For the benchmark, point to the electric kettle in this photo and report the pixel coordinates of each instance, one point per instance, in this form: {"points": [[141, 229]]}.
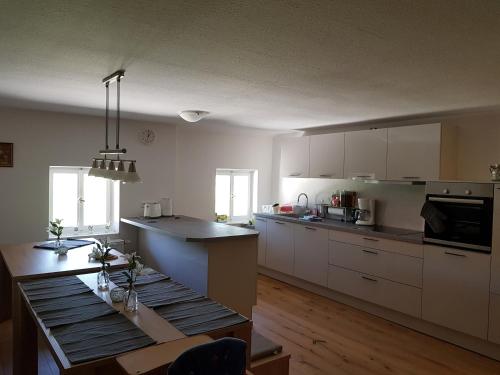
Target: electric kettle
{"points": [[495, 172]]}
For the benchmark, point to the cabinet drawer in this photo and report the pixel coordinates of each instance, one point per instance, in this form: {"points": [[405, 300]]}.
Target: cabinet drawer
{"points": [[400, 247], [494, 327], [395, 296], [395, 267]]}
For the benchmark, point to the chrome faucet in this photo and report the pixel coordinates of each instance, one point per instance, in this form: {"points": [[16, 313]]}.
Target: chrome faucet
{"points": [[305, 195]]}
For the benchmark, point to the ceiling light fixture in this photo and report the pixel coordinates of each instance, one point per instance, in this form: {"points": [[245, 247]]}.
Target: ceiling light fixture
{"points": [[99, 167], [193, 116]]}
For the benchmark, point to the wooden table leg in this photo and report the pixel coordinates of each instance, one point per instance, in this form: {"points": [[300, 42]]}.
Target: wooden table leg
{"points": [[24, 332], [5, 292], [245, 334]]}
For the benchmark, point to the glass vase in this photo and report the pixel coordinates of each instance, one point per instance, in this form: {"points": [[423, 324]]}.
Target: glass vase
{"points": [[103, 279], [130, 299]]}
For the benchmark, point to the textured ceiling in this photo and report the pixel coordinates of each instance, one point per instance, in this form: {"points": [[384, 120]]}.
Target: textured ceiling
{"points": [[260, 63]]}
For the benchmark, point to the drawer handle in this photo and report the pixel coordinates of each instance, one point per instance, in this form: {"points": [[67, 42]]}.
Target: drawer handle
{"points": [[368, 278], [326, 175], [309, 228], [370, 239], [279, 222], [455, 254], [369, 252], [363, 176], [297, 174], [259, 219], [411, 177]]}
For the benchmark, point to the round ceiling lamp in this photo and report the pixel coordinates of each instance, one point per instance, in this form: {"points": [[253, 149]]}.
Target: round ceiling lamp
{"points": [[193, 116]]}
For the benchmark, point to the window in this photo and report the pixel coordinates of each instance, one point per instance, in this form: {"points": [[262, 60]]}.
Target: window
{"points": [[87, 205], [235, 194]]}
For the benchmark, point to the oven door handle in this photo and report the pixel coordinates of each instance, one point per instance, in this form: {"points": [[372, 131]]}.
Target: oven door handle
{"points": [[456, 200]]}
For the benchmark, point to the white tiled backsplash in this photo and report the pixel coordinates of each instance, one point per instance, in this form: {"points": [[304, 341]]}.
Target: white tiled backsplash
{"points": [[396, 206]]}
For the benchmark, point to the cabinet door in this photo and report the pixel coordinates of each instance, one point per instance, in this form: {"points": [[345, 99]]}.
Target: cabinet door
{"points": [[261, 227], [366, 154], [414, 152], [327, 155], [311, 254], [279, 252], [495, 249], [456, 289], [295, 157]]}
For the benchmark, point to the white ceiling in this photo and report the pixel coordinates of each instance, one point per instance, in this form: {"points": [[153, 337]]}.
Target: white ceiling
{"points": [[260, 63]]}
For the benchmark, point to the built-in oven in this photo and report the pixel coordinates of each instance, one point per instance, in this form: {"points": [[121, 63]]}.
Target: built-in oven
{"points": [[459, 215]]}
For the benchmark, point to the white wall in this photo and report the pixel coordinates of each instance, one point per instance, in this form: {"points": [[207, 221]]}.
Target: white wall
{"points": [[42, 139], [201, 152]]}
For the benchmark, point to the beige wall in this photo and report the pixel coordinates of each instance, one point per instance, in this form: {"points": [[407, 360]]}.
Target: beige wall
{"points": [[180, 164], [201, 152]]}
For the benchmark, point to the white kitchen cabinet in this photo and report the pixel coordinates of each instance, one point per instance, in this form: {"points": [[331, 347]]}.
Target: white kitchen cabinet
{"points": [[295, 157], [279, 251], [495, 249], [366, 154], [456, 289], [311, 254], [327, 155], [395, 267], [414, 152], [400, 297], [261, 227]]}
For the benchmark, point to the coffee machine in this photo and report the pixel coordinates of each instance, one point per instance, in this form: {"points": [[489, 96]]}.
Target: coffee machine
{"points": [[366, 211]]}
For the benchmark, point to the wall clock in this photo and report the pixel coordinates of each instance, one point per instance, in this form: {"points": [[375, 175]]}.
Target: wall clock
{"points": [[147, 136]]}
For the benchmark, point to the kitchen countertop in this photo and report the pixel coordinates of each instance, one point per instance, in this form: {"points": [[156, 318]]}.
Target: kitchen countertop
{"points": [[391, 233], [189, 228]]}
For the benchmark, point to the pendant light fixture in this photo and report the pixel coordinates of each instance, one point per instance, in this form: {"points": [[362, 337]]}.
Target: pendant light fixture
{"points": [[115, 169]]}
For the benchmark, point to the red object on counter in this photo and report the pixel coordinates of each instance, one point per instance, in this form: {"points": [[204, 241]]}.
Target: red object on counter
{"points": [[286, 208]]}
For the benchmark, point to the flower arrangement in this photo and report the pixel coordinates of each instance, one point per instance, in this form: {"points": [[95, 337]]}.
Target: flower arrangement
{"points": [[55, 228], [134, 269], [100, 252]]}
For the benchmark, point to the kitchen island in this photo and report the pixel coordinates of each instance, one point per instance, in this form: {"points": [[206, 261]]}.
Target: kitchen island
{"points": [[216, 260]]}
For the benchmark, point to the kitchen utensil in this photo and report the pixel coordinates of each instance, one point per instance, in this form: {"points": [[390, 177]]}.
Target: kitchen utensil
{"points": [[495, 172], [152, 209], [366, 212]]}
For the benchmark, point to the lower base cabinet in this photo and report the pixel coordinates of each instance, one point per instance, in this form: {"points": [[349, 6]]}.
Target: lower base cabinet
{"points": [[311, 254], [395, 296], [279, 251], [456, 289]]}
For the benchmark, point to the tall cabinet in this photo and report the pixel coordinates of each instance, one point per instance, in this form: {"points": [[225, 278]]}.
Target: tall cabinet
{"points": [[366, 154]]}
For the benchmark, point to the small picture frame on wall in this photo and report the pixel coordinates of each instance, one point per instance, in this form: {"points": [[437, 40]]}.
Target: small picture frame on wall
{"points": [[6, 154]]}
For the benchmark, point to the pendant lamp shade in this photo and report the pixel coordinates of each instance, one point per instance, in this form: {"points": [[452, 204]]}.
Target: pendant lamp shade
{"points": [[111, 171], [131, 175], [94, 169]]}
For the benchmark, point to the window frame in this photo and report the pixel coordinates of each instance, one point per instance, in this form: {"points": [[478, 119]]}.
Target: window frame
{"points": [[251, 191], [112, 204]]}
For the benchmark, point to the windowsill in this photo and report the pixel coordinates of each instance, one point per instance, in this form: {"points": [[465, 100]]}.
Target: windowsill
{"points": [[80, 234]]}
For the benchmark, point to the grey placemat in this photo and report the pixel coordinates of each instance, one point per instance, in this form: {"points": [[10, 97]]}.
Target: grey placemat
{"points": [[99, 338], [206, 327], [67, 243], [57, 292], [120, 279], [53, 319], [49, 283], [55, 304]]}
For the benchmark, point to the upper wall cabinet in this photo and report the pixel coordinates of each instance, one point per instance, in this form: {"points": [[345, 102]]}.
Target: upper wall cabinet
{"points": [[366, 154], [295, 157], [414, 152], [327, 155]]}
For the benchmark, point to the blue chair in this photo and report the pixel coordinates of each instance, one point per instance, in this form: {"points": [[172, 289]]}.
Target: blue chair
{"points": [[225, 356]]}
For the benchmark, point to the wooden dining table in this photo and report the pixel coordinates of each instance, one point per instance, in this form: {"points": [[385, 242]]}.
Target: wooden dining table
{"points": [[24, 262], [146, 319]]}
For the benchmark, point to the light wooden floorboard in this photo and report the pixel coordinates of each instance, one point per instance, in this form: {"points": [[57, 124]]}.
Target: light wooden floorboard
{"points": [[326, 337]]}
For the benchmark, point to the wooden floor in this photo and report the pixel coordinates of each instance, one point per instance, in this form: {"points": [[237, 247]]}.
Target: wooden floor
{"points": [[326, 337]]}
